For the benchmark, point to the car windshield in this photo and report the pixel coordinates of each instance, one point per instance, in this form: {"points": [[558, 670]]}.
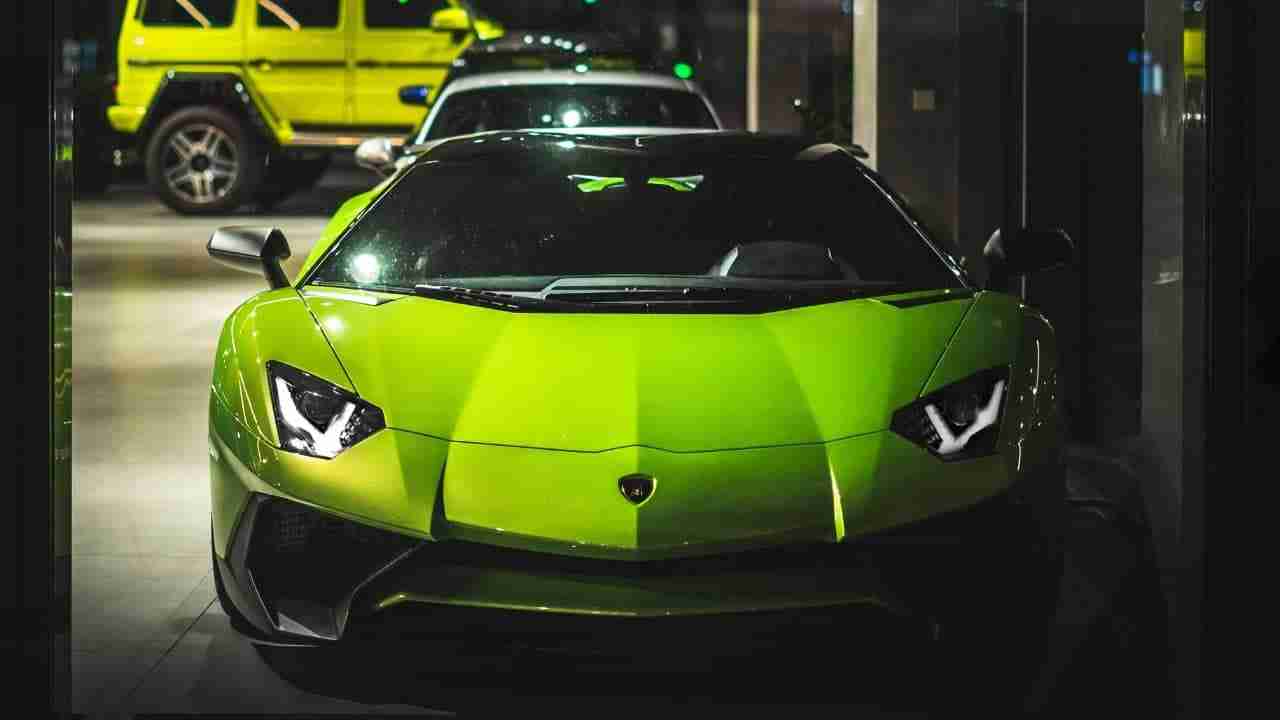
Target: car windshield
{"points": [[593, 225], [567, 106]]}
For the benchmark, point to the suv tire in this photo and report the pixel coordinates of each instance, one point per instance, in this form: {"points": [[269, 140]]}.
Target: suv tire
{"points": [[202, 161]]}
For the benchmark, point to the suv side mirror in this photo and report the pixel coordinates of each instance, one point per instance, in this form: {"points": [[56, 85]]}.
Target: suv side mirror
{"points": [[252, 249], [415, 94], [378, 154], [453, 19], [1026, 251]]}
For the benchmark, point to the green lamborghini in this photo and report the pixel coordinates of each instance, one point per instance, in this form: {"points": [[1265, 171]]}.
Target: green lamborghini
{"points": [[626, 381]]}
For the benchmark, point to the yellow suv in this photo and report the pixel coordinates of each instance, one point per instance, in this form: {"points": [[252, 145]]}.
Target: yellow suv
{"points": [[245, 101]]}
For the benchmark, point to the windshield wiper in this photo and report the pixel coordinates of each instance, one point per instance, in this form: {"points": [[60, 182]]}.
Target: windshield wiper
{"points": [[698, 290], [579, 294], [367, 287], [707, 285], [494, 299], [672, 294]]}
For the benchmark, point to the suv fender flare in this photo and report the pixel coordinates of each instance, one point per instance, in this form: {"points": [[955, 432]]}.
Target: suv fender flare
{"points": [[231, 90]]}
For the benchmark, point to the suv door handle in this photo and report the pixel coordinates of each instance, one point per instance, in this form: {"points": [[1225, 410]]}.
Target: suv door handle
{"points": [[367, 63], [261, 63]]}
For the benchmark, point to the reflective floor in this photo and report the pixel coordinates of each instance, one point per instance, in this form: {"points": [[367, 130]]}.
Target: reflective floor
{"points": [[148, 636], [148, 305]]}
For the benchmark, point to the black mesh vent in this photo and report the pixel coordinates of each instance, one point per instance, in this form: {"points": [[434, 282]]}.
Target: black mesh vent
{"points": [[305, 562]]}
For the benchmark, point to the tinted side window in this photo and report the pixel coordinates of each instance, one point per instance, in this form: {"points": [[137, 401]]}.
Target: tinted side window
{"points": [[407, 14], [189, 13], [298, 14]]}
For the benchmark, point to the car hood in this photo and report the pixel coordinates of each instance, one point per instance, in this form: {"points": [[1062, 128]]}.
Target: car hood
{"points": [[597, 381]]}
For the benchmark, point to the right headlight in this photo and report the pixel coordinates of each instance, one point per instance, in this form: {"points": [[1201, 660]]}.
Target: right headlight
{"points": [[960, 421], [315, 417]]}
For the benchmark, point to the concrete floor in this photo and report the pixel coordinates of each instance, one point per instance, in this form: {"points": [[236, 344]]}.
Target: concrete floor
{"points": [[148, 304], [147, 633]]}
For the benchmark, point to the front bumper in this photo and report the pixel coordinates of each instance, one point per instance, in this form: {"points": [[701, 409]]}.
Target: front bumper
{"points": [[418, 523], [302, 576]]}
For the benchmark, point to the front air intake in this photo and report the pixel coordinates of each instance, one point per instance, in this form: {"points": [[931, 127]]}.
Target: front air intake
{"points": [[306, 564]]}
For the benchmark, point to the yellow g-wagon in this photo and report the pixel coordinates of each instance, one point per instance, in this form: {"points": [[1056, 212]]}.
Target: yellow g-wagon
{"points": [[245, 101]]}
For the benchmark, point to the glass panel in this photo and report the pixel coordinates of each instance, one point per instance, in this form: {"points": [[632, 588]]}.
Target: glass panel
{"points": [[298, 14], [189, 13], [1173, 87], [407, 14]]}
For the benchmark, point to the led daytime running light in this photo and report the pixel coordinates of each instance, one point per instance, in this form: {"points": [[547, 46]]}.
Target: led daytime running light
{"points": [[326, 443], [988, 416], [959, 421], [314, 417]]}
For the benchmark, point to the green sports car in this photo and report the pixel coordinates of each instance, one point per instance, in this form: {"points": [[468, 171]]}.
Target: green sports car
{"points": [[632, 381]]}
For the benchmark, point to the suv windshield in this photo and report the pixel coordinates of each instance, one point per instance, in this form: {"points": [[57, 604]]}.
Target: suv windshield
{"points": [[594, 225], [567, 106]]}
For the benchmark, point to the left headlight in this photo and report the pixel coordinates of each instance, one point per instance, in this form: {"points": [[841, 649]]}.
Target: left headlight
{"points": [[315, 417], [960, 421]]}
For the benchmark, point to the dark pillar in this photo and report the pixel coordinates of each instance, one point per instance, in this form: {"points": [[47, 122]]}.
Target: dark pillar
{"points": [[1084, 173], [34, 555], [987, 117]]}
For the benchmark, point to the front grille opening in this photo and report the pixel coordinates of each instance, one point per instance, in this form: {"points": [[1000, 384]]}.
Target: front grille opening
{"points": [[305, 563], [920, 569], [736, 632]]}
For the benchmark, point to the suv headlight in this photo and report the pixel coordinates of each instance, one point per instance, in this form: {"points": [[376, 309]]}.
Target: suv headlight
{"points": [[315, 417], [960, 421]]}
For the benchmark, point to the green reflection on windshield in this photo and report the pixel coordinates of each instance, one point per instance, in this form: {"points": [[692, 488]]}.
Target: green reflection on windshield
{"points": [[595, 183], [683, 184]]}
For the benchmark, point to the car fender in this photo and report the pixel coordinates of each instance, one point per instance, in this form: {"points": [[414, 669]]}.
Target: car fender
{"points": [[1001, 330], [224, 88], [272, 325], [364, 483]]}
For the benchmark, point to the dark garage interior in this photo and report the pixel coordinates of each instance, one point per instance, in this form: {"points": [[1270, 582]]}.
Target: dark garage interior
{"points": [[1136, 127]]}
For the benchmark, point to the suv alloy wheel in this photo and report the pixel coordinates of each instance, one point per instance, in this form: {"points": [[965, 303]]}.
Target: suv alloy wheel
{"points": [[202, 161]]}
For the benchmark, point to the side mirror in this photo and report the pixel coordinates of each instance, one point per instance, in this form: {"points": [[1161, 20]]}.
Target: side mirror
{"points": [[252, 249], [378, 154], [415, 94], [1026, 251], [453, 19]]}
